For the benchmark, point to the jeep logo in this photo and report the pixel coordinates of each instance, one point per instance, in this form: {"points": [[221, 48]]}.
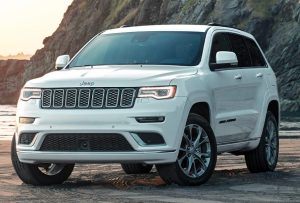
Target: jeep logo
{"points": [[83, 83]]}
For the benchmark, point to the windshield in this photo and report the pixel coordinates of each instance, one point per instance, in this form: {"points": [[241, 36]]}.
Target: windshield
{"points": [[155, 48]]}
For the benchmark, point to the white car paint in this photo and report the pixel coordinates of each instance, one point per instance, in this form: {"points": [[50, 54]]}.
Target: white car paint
{"points": [[245, 100]]}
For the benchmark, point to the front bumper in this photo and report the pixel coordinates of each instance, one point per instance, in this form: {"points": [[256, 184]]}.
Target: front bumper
{"points": [[121, 121], [97, 157]]}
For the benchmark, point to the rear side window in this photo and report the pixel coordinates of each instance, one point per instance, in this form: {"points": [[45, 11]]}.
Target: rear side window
{"points": [[241, 50], [256, 55], [220, 43]]}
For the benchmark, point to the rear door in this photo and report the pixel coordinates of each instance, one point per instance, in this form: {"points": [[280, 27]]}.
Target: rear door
{"points": [[255, 78]]}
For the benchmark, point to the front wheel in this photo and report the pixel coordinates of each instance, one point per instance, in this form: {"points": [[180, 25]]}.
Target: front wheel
{"points": [[197, 155], [40, 174], [265, 156]]}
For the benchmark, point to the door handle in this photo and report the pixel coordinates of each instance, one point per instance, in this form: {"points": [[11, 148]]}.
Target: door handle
{"points": [[259, 75], [238, 77]]}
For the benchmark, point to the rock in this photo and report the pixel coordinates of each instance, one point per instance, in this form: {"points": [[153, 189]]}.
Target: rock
{"points": [[11, 80], [275, 24]]}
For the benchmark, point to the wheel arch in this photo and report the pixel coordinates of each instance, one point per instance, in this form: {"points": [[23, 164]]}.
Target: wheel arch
{"points": [[197, 106], [275, 109], [203, 109]]}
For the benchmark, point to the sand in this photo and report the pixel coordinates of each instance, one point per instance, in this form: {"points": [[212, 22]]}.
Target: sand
{"points": [[231, 182]]}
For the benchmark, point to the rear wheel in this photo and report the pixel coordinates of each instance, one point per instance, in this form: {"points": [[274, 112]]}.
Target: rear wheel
{"points": [[137, 168], [40, 174], [197, 155], [265, 156]]}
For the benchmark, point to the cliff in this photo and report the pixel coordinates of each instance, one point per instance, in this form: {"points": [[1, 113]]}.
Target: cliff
{"points": [[275, 24], [11, 80]]}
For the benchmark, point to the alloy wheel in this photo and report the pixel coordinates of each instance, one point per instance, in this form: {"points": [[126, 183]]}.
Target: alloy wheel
{"points": [[195, 151], [271, 143], [51, 169]]}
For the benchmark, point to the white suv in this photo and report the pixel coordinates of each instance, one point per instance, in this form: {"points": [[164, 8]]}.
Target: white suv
{"points": [[170, 95]]}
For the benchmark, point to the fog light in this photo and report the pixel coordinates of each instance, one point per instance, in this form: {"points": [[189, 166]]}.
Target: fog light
{"points": [[26, 120], [26, 138], [148, 138], [152, 119]]}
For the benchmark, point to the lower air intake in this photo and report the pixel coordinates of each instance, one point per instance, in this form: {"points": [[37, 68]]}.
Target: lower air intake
{"points": [[99, 142]]}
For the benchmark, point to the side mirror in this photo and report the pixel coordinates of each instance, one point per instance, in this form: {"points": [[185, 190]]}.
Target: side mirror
{"points": [[224, 59], [62, 61]]}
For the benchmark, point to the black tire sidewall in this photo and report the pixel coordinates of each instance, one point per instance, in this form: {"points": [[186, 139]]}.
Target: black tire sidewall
{"points": [[136, 168], [51, 179], [30, 173]]}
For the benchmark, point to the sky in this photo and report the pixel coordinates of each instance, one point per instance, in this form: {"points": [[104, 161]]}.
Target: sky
{"points": [[25, 23]]}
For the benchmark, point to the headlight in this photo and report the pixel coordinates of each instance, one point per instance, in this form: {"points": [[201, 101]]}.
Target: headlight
{"points": [[28, 94], [157, 92]]}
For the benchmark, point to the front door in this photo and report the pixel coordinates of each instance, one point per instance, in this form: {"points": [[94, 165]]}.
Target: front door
{"points": [[233, 91]]}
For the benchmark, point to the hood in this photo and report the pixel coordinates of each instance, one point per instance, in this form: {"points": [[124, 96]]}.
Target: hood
{"points": [[112, 76]]}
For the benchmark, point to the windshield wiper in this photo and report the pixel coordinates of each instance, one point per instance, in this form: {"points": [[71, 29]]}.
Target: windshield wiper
{"points": [[86, 65]]}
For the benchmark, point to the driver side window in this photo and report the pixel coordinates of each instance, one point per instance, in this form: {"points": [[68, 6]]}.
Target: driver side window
{"points": [[220, 43]]}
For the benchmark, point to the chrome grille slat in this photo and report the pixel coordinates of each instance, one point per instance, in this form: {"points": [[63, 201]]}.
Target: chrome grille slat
{"points": [[58, 98], [112, 98], [84, 98], [127, 97], [98, 98], [88, 98], [71, 98], [47, 98]]}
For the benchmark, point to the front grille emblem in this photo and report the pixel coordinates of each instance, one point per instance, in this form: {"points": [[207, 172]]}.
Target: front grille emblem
{"points": [[86, 84]]}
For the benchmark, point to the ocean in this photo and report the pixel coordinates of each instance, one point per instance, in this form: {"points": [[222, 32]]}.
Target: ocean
{"points": [[7, 121]]}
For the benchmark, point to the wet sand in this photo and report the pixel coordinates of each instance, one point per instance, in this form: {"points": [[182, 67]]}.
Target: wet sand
{"points": [[231, 181]]}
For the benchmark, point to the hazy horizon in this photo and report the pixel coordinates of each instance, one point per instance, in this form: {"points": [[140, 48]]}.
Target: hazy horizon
{"points": [[25, 24]]}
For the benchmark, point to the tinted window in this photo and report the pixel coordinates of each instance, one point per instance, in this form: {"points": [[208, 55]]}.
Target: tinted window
{"points": [[220, 43], [241, 50], [256, 56], [158, 48]]}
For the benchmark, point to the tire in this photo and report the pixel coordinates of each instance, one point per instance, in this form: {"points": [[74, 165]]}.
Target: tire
{"points": [[195, 162], [265, 156], [137, 168], [33, 173]]}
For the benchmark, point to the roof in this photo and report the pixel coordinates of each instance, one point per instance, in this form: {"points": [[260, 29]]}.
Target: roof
{"points": [[179, 27], [175, 27]]}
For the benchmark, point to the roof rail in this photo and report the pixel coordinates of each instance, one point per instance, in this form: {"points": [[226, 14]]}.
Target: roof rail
{"points": [[217, 24], [124, 26]]}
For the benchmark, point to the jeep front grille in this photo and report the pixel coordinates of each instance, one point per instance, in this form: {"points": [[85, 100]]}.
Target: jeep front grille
{"points": [[88, 98]]}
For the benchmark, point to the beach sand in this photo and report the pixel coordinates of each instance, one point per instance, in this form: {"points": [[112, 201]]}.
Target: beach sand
{"points": [[231, 182]]}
